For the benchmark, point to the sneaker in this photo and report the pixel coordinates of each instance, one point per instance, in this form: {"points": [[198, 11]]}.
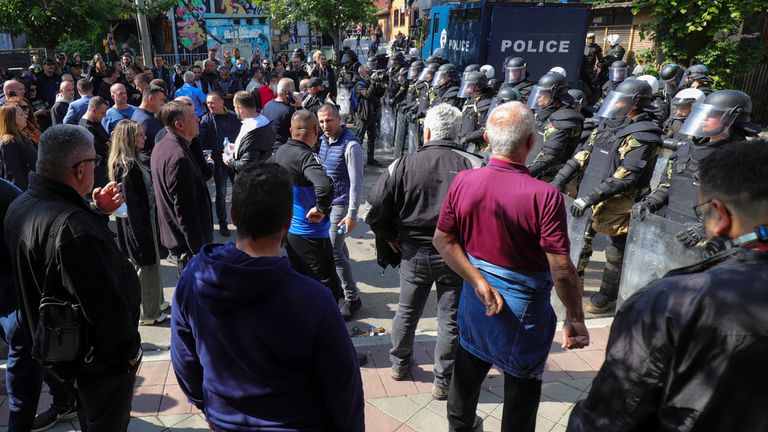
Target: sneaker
{"points": [[599, 303], [477, 425], [439, 393], [158, 320], [53, 415], [164, 306], [373, 162], [348, 308], [224, 230], [398, 374]]}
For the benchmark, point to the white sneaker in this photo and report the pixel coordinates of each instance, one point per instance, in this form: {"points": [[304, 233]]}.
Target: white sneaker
{"points": [[164, 306], [158, 320]]}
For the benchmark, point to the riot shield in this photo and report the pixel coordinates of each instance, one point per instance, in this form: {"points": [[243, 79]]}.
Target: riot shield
{"points": [[413, 137], [537, 146], [400, 132], [651, 252], [658, 169], [577, 227], [387, 126], [342, 99]]}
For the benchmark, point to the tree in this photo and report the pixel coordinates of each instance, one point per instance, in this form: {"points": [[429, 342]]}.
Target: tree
{"points": [[328, 16], [49, 22], [706, 31]]}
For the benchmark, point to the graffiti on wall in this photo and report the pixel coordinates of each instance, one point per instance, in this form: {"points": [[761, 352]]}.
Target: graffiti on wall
{"points": [[255, 35], [190, 35], [237, 7]]}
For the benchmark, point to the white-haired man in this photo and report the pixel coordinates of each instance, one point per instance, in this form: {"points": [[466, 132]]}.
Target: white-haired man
{"points": [[504, 233], [405, 204]]}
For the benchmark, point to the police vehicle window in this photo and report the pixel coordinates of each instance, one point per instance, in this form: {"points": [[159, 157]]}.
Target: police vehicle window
{"points": [[436, 25]]}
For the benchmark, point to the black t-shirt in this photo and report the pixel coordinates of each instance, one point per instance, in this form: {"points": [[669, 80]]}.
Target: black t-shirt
{"points": [[279, 113]]}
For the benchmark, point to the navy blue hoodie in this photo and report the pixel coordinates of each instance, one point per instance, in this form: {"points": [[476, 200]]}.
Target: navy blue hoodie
{"points": [[260, 347]]}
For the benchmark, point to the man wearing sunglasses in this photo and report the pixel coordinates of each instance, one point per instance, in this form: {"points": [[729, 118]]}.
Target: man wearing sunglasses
{"points": [[688, 351], [56, 236]]}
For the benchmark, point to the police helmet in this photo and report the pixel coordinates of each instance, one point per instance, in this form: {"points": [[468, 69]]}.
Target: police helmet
{"points": [[415, 69], [577, 98], [413, 53], [508, 94], [618, 71], [494, 84], [515, 69], [717, 113], [560, 70], [298, 52], [652, 81], [445, 75], [469, 69], [428, 72], [488, 70], [472, 83], [629, 94], [372, 62], [640, 91], [688, 96], [551, 87], [698, 71], [440, 53], [670, 72]]}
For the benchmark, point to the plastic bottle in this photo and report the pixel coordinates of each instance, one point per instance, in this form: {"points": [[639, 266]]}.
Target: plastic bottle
{"points": [[227, 147], [342, 229]]}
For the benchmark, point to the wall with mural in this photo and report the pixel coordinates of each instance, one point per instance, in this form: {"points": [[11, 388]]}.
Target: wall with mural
{"points": [[239, 31], [190, 36], [236, 7]]}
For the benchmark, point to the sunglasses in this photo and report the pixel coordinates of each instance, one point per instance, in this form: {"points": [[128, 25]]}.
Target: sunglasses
{"points": [[96, 161]]}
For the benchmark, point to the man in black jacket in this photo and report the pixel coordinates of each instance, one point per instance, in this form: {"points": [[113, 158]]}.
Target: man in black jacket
{"points": [[687, 352], [308, 242], [97, 110], [405, 205], [216, 126], [81, 264], [254, 142], [368, 93]]}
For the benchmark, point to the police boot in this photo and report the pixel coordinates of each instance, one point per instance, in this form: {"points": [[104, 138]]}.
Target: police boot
{"points": [[605, 300]]}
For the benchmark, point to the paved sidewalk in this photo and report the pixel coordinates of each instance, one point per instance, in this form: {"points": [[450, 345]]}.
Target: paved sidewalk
{"points": [[159, 405]]}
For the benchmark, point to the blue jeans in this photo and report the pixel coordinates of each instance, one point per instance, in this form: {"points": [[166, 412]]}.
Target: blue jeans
{"points": [[341, 254], [24, 377], [220, 178], [419, 269]]}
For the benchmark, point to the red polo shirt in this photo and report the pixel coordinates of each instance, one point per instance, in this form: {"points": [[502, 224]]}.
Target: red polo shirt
{"points": [[504, 216]]}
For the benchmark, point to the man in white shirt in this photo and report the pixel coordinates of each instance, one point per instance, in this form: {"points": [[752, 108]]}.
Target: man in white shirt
{"points": [[255, 140]]}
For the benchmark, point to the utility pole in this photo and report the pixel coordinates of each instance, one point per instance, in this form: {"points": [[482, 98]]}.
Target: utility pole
{"points": [[146, 42]]}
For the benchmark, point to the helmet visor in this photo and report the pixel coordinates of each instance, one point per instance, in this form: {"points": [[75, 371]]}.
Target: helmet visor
{"points": [[441, 77], [616, 106], [617, 74], [426, 75], [372, 65], [540, 98], [707, 121], [514, 74], [413, 73], [467, 90]]}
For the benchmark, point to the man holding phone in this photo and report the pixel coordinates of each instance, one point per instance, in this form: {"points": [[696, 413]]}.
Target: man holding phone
{"points": [[279, 111], [342, 158]]}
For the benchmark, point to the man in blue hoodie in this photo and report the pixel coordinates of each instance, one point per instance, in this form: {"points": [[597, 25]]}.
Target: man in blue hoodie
{"points": [[240, 314]]}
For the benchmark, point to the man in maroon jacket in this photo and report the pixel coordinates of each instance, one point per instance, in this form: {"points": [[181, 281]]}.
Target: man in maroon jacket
{"points": [[183, 203]]}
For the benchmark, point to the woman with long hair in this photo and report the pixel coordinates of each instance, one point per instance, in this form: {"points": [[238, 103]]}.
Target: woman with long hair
{"points": [[136, 233], [17, 154], [31, 131]]}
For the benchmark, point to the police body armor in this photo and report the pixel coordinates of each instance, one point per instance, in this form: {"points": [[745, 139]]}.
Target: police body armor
{"points": [[473, 114], [684, 181], [448, 94], [671, 126], [393, 86], [604, 148], [549, 120]]}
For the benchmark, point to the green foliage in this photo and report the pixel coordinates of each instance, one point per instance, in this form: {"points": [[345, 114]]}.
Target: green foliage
{"points": [[328, 16], [49, 22], [704, 31]]}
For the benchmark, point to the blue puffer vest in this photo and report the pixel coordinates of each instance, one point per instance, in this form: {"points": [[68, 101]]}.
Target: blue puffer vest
{"points": [[332, 158]]}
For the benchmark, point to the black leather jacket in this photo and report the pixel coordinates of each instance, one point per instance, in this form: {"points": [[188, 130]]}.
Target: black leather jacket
{"points": [[687, 353]]}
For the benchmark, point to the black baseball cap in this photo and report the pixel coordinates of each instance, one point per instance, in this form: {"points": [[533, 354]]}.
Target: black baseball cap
{"points": [[76, 64], [315, 82]]}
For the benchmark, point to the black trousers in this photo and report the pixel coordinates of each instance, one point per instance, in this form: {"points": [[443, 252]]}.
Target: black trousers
{"points": [[104, 398], [521, 396], [313, 257], [370, 127]]}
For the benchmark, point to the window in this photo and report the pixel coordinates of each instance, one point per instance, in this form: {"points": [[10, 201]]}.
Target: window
{"points": [[402, 18], [396, 19], [436, 26]]}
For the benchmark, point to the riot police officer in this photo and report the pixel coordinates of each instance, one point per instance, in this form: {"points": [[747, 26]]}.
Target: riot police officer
{"points": [[516, 75], [557, 124], [617, 164], [697, 76], [617, 73], [722, 118], [419, 104], [672, 77], [445, 86], [590, 66], [477, 101], [681, 104], [615, 51], [468, 70]]}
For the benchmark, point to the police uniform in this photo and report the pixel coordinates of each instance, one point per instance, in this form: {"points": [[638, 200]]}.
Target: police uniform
{"points": [[560, 128], [474, 114]]}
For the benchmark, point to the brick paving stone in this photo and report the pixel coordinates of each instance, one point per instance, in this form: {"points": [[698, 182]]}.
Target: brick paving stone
{"points": [[400, 408], [175, 402], [152, 373], [553, 372], [594, 358], [372, 386], [428, 421], [146, 424], [573, 365], [377, 420], [405, 428], [561, 392], [146, 400], [543, 425]]}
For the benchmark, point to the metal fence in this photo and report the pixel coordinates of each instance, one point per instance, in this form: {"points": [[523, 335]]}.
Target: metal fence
{"points": [[755, 84], [172, 59]]}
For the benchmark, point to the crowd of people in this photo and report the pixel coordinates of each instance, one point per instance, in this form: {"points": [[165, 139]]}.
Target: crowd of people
{"points": [[142, 145]]}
